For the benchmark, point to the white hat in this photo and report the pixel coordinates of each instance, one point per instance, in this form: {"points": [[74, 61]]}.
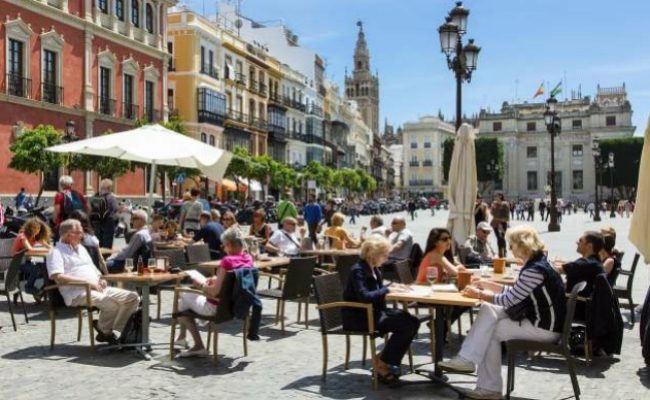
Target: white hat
{"points": [[484, 226]]}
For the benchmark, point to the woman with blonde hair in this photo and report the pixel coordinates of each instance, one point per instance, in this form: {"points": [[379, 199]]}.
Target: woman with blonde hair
{"points": [[533, 309], [33, 233], [342, 238], [366, 285]]}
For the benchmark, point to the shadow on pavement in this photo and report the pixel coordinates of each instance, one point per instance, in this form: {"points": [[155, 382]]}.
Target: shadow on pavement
{"points": [[198, 367], [558, 366], [80, 354]]}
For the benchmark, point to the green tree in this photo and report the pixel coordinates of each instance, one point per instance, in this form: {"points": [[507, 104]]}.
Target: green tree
{"points": [[488, 150], [29, 153], [627, 156], [367, 184], [240, 166]]}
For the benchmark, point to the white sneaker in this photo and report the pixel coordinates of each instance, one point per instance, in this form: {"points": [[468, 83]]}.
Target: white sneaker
{"points": [[481, 394], [182, 343], [193, 353], [457, 364]]}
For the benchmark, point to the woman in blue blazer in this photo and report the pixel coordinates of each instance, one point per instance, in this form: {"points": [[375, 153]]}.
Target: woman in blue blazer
{"points": [[365, 285]]}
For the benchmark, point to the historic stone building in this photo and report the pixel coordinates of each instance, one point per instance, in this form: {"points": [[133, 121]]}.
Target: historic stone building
{"points": [[422, 154], [363, 86], [521, 128]]}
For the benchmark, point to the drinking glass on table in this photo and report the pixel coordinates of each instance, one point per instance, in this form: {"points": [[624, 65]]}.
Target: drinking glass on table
{"points": [[151, 265], [128, 265], [432, 275], [485, 270]]}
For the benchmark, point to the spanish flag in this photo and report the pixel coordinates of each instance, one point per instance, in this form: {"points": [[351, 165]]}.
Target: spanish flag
{"points": [[540, 90]]}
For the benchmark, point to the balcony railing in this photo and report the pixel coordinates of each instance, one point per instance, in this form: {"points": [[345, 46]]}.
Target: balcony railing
{"points": [[262, 90], [310, 138], [129, 111], [298, 105], [240, 78], [276, 99], [106, 106], [210, 117], [427, 163], [210, 71], [259, 123], [19, 86], [296, 135], [51, 93], [252, 85], [414, 163], [277, 132], [316, 110], [152, 115]]}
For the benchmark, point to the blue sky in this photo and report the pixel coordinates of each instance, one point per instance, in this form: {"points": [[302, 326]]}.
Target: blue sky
{"points": [[590, 42]]}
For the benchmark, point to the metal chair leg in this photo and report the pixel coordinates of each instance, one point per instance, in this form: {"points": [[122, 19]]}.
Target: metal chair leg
{"points": [[365, 346], [172, 339], [299, 311], [159, 301], [20, 294], [572, 373], [282, 315], [629, 299], [11, 312], [79, 324], [209, 335], [216, 343], [324, 357], [90, 328], [307, 313], [347, 351], [52, 328], [373, 349], [245, 334]]}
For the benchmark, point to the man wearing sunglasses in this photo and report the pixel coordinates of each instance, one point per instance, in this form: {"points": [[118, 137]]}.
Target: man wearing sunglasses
{"points": [[139, 245], [477, 248]]}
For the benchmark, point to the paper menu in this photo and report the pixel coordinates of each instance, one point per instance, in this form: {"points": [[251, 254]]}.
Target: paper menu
{"points": [[425, 290], [196, 276]]}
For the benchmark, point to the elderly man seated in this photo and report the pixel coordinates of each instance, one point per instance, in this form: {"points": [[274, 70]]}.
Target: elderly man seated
{"points": [[69, 262], [139, 245], [376, 227], [477, 249], [285, 241], [401, 240]]}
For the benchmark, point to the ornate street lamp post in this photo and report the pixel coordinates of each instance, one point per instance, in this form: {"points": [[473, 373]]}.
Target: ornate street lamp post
{"points": [[610, 165], [460, 59], [492, 169], [595, 150], [553, 125]]}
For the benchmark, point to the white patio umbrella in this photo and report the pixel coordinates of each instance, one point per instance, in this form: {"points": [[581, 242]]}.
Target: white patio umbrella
{"points": [[462, 185], [640, 224], [155, 145]]}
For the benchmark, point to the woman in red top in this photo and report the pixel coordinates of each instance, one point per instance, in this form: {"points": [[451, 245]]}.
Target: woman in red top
{"points": [[33, 233], [438, 244], [236, 257]]}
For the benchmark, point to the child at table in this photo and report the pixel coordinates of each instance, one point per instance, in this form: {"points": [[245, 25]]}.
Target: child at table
{"points": [[34, 233], [236, 257]]}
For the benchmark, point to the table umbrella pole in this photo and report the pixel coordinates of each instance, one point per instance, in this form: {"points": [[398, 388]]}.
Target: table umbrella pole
{"points": [[152, 185]]}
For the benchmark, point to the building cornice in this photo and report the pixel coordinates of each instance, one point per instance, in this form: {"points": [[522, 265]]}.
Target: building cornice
{"points": [[77, 22]]}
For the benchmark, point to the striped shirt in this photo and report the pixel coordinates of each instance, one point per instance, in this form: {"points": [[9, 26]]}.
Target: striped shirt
{"points": [[528, 280]]}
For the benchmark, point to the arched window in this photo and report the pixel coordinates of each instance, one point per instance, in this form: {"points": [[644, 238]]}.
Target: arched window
{"points": [[149, 18], [135, 13], [204, 137], [212, 140]]}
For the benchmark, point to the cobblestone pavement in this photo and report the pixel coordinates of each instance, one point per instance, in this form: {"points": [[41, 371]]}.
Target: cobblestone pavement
{"points": [[288, 366]]}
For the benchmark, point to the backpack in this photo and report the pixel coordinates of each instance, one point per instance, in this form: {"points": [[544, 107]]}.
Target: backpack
{"points": [[99, 208], [132, 332], [71, 202]]}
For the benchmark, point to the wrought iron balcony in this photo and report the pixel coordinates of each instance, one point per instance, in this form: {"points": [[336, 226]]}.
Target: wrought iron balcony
{"points": [[210, 71], [106, 106], [252, 85], [240, 78], [17, 85], [262, 90], [277, 132], [316, 110], [414, 163], [152, 115], [427, 163], [51, 93], [210, 117], [129, 111]]}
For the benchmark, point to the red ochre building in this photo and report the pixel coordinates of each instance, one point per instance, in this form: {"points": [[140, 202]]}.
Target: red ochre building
{"points": [[101, 64]]}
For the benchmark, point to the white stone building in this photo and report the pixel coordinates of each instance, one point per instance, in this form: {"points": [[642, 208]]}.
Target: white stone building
{"points": [[422, 154], [521, 128]]}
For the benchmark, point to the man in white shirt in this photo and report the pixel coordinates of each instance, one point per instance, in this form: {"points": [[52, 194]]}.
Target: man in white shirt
{"points": [[69, 263], [285, 241], [401, 240], [139, 245]]}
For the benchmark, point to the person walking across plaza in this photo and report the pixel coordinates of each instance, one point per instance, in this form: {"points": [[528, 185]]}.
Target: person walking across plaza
{"points": [[66, 201], [313, 215], [500, 217], [69, 262], [411, 208], [352, 212], [189, 219], [538, 293], [21, 199], [480, 211], [103, 213]]}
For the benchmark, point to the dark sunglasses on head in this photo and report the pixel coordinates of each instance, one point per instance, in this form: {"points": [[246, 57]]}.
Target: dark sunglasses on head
{"points": [[445, 239]]}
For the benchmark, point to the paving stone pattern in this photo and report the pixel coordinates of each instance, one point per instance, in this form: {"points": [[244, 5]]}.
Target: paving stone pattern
{"points": [[288, 366]]}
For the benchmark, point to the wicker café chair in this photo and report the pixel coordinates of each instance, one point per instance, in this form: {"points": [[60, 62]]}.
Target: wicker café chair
{"points": [[10, 285]]}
